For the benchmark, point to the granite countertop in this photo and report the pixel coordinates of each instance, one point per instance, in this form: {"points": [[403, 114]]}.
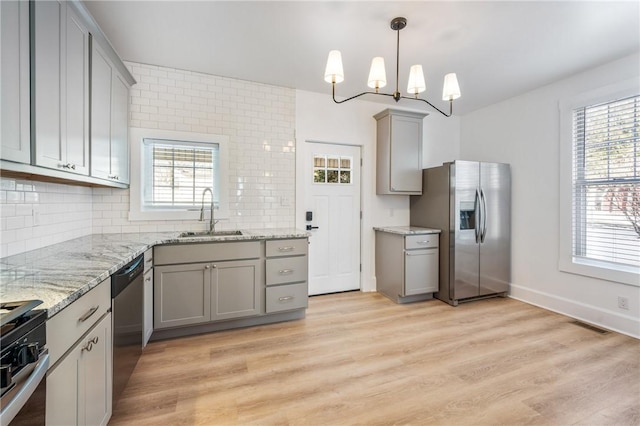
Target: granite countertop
{"points": [[406, 230], [61, 273]]}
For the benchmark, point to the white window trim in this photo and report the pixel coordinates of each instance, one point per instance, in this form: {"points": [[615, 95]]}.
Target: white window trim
{"points": [[567, 263], [136, 210]]}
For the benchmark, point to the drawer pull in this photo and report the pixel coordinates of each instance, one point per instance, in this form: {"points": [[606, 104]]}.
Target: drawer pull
{"points": [[422, 242], [88, 314], [149, 260], [90, 344], [287, 248], [285, 298], [285, 271], [148, 279]]}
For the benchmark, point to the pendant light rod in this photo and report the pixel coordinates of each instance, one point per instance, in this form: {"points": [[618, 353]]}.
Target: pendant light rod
{"points": [[334, 74]]}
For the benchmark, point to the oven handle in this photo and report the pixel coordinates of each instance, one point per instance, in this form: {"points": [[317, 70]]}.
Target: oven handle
{"points": [[21, 397]]}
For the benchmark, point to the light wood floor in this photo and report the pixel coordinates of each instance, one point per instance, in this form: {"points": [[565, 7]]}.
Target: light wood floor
{"points": [[361, 359]]}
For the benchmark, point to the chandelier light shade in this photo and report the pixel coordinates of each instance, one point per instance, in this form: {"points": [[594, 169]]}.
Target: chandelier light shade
{"points": [[334, 73], [416, 80], [377, 77], [377, 74], [450, 90]]}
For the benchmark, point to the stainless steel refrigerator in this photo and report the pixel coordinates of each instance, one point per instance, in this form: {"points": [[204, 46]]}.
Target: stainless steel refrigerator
{"points": [[471, 203]]}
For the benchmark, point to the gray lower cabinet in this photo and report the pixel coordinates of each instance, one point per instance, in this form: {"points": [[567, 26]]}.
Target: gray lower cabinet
{"points": [[79, 380], [286, 274], [407, 266], [197, 293]]}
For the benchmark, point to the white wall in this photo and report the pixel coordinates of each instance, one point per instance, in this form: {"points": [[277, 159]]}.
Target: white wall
{"points": [[524, 131], [319, 119]]}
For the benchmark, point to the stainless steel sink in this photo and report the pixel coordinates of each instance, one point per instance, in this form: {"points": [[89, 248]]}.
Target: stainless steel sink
{"points": [[209, 234]]}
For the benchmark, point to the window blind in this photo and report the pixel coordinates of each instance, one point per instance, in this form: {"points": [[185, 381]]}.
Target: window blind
{"points": [[606, 182], [177, 173]]}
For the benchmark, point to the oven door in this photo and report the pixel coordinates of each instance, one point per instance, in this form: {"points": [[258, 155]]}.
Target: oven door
{"points": [[25, 404]]}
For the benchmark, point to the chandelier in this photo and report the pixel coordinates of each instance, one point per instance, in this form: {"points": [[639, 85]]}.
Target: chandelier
{"points": [[377, 76]]}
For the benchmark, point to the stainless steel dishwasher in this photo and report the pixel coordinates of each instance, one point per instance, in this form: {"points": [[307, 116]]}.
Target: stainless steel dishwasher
{"points": [[127, 308]]}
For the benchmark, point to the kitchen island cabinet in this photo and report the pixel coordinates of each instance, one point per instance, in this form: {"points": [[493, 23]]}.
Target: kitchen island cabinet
{"points": [[407, 263]]}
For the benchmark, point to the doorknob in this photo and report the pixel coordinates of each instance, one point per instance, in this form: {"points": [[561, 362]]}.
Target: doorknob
{"points": [[309, 227]]}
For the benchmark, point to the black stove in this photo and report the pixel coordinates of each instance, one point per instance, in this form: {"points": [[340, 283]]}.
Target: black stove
{"points": [[22, 339]]}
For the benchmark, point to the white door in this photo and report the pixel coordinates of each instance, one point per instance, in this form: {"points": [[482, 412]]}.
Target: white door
{"points": [[332, 195]]}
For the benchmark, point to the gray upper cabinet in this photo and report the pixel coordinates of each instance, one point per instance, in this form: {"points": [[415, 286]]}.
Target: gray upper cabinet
{"points": [[15, 134], [61, 87], [109, 119], [399, 152]]}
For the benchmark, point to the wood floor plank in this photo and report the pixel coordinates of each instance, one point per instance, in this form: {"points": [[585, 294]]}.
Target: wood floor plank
{"points": [[360, 359]]}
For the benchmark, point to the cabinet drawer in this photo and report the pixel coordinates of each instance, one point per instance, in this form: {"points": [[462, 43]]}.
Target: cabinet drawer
{"points": [[277, 248], [148, 260], [421, 241], [287, 297], [65, 328], [207, 252], [286, 270]]}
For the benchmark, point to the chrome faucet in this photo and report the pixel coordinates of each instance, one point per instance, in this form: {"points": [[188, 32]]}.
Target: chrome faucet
{"points": [[212, 222]]}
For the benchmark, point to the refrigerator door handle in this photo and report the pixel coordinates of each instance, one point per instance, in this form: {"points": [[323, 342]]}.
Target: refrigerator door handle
{"points": [[478, 213], [483, 232]]}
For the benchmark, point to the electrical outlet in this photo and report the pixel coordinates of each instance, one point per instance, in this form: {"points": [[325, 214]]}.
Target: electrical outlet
{"points": [[623, 303]]}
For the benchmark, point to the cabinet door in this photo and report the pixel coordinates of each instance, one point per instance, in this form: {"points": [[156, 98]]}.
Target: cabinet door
{"points": [[49, 16], [95, 375], [236, 289], [421, 271], [75, 89], [62, 391], [181, 295], [101, 79], [120, 129], [14, 78], [406, 153], [61, 88]]}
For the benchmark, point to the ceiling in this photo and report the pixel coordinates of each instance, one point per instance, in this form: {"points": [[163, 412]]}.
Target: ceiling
{"points": [[498, 49]]}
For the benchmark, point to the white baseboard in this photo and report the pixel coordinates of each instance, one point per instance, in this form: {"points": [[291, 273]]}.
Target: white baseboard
{"points": [[621, 323]]}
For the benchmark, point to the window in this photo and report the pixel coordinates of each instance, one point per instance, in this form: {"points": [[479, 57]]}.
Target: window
{"points": [[170, 171], [606, 182], [331, 169], [600, 183], [177, 173]]}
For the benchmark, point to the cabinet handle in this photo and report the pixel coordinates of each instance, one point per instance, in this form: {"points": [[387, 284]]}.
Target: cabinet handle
{"points": [[114, 177], [287, 248], [285, 298], [68, 166], [148, 279], [285, 271], [419, 253], [90, 344], [88, 314], [149, 260], [207, 267], [423, 242]]}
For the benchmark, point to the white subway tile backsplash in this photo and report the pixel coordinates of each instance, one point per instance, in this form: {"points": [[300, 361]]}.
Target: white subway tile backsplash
{"points": [[258, 119]]}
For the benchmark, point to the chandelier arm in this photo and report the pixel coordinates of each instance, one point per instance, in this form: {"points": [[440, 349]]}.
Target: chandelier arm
{"points": [[357, 96], [433, 106]]}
